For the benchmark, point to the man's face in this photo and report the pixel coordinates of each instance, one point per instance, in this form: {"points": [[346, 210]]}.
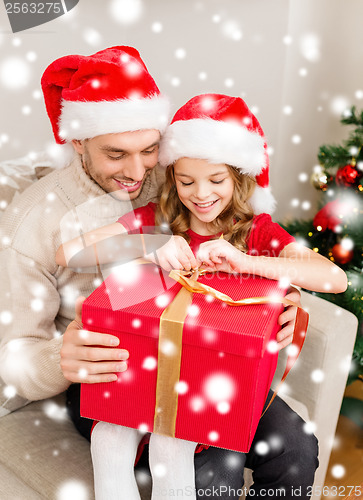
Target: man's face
{"points": [[120, 163]]}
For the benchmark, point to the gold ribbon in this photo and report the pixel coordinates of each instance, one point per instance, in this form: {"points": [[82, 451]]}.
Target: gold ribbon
{"points": [[170, 343]]}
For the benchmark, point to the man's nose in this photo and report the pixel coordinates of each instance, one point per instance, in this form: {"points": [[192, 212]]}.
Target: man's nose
{"points": [[135, 168]]}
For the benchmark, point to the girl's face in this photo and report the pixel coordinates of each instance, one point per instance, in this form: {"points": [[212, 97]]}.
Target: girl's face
{"points": [[204, 188]]}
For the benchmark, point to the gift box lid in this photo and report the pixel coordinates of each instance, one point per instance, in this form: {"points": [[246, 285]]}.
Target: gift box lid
{"points": [[133, 299]]}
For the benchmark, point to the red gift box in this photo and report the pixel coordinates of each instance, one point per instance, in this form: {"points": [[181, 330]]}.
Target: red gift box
{"points": [[226, 368]]}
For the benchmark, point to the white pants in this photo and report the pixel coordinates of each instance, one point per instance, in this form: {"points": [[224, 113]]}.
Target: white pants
{"points": [[114, 448]]}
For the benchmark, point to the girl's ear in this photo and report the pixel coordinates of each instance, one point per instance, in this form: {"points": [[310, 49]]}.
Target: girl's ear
{"points": [[78, 146]]}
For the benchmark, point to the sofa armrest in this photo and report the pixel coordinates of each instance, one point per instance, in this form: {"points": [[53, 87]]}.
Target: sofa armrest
{"points": [[17, 175], [319, 376]]}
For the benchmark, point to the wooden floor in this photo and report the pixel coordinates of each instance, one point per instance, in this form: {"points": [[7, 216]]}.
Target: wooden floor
{"points": [[347, 452]]}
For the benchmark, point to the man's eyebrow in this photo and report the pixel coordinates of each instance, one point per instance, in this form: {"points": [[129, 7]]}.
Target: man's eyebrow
{"points": [[112, 149]]}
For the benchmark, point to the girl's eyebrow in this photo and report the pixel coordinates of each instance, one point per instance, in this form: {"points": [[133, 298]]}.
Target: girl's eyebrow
{"points": [[212, 175]]}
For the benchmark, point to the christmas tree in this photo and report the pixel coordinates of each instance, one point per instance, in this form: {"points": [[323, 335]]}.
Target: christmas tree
{"points": [[337, 229]]}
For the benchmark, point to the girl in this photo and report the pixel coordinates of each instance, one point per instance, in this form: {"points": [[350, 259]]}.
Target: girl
{"points": [[216, 184]]}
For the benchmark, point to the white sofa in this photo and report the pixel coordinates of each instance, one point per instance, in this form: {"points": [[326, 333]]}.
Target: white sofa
{"points": [[43, 457]]}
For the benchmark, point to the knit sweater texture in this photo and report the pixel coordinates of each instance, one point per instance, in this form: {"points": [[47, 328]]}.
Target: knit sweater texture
{"points": [[37, 297]]}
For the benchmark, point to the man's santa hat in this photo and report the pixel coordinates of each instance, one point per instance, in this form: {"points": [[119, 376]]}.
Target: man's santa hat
{"points": [[108, 92], [221, 129]]}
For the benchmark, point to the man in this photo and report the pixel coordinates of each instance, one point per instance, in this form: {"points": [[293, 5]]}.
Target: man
{"points": [[107, 109]]}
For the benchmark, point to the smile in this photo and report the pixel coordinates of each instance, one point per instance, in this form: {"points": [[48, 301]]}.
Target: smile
{"points": [[206, 207], [128, 186], [206, 204]]}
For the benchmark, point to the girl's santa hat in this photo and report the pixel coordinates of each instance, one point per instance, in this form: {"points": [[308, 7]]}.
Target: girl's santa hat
{"points": [[221, 129], [108, 92]]}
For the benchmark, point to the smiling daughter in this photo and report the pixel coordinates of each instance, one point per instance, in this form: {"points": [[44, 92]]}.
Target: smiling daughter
{"points": [[216, 183]]}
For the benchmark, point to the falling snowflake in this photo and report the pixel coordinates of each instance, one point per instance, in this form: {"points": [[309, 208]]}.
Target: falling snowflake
{"points": [[82, 373], [317, 376], [37, 305], [193, 311], [219, 387], [92, 37], [6, 317], [197, 404], [157, 27], [136, 323], [339, 104], [287, 110], [181, 387], [284, 282], [231, 30], [287, 40], [262, 448], [229, 82], [306, 205], [213, 436], [73, 490], [54, 411], [175, 81], [180, 53], [310, 47], [296, 139], [272, 346], [338, 471], [162, 301], [223, 407], [149, 363], [126, 12], [9, 391], [14, 73], [159, 470], [309, 427]]}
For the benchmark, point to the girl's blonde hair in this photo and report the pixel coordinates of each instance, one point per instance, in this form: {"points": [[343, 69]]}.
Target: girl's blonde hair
{"points": [[235, 221]]}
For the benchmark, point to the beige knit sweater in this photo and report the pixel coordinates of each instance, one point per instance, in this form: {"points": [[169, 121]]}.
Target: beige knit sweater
{"points": [[37, 297]]}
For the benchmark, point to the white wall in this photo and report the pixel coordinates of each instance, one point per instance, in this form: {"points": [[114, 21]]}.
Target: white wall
{"points": [[238, 44]]}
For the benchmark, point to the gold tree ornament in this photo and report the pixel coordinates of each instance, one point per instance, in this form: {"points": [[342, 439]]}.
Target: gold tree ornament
{"points": [[319, 180]]}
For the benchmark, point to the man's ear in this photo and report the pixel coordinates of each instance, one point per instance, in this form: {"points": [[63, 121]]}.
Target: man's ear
{"points": [[78, 146]]}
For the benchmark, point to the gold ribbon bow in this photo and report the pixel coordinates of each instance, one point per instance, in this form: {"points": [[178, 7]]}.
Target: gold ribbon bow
{"points": [[170, 343]]}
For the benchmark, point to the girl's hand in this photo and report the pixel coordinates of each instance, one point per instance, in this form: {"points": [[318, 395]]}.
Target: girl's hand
{"points": [[175, 254], [287, 319], [220, 255]]}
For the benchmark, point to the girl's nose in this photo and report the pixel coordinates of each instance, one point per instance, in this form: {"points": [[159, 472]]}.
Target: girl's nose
{"points": [[202, 191]]}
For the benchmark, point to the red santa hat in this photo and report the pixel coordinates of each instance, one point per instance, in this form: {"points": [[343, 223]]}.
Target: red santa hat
{"points": [[108, 92], [221, 129]]}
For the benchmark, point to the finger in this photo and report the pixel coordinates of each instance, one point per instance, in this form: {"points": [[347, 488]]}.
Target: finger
{"points": [[101, 354], [86, 338], [287, 331], [284, 343], [82, 378], [191, 258], [294, 295], [185, 262], [84, 369], [78, 307], [175, 262], [289, 314]]}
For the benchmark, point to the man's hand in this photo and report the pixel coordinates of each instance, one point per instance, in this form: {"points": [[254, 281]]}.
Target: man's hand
{"points": [[287, 319], [175, 254], [90, 357]]}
